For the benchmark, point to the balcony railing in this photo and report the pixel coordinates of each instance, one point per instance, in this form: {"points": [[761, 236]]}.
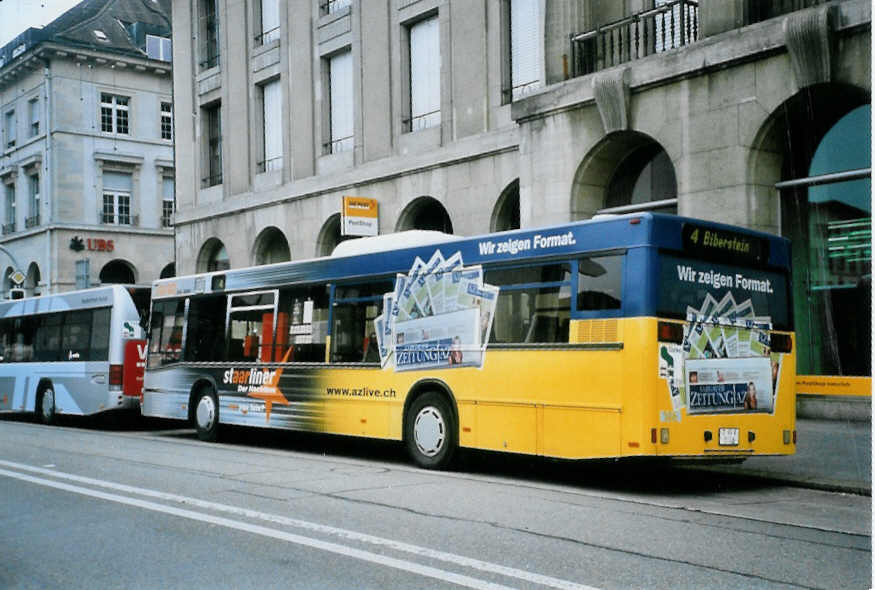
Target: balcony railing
{"points": [[209, 181], [8, 228], [270, 164], [267, 37], [665, 27], [329, 6], [32, 221]]}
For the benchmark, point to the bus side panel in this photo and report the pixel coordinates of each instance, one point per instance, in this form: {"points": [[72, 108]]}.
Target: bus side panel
{"points": [[17, 388]]}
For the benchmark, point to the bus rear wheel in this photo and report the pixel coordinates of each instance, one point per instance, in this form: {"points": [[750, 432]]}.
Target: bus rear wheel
{"points": [[45, 405], [206, 415], [430, 433]]}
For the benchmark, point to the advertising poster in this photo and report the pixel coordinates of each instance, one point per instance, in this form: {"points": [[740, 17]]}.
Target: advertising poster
{"points": [[725, 363], [439, 316], [729, 385]]}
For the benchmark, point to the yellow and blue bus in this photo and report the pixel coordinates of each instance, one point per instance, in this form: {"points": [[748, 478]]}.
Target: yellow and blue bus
{"points": [[641, 335]]}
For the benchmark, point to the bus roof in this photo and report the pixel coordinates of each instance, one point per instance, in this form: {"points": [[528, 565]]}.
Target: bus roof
{"points": [[103, 296], [357, 260]]}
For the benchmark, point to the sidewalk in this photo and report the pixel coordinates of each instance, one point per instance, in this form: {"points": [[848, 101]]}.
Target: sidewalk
{"points": [[833, 455]]}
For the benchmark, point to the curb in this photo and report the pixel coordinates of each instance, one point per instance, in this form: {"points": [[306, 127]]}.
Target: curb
{"points": [[827, 485]]}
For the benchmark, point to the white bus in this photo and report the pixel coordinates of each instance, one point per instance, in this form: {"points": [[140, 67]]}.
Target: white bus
{"points": [[79, 353]]}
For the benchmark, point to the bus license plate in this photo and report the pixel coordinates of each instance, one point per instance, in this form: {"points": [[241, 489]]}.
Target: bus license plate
{"points": [[728, 437]]}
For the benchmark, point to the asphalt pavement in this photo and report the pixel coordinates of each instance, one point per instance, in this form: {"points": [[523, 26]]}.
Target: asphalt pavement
{"points": [[833, 455]]}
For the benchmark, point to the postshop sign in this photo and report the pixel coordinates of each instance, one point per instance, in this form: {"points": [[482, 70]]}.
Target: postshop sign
{"points": [[359, 217]]}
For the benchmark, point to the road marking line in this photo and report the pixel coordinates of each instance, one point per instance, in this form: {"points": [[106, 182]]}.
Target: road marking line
{"points": [[400, 546], [408, 566]]}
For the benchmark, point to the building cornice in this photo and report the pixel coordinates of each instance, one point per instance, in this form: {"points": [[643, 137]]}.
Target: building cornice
{"points": [[91, 229], [38, 57]]}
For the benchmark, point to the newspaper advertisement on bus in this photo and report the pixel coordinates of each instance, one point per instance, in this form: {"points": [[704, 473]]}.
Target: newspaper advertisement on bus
{"points": [[439, 315]]}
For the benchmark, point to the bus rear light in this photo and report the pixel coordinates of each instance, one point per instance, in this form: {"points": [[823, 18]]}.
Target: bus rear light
{"points": [[781, 343], [663, 435], [751, 436], [635, 221], [708, 436], [794, 437], [670, 332], [653, 435], [115, 374]]}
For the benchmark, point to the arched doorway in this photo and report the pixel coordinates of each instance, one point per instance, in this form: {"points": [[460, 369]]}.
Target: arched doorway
{"points": [[31, 284], [810, 151], [330, 236], [425, 213], [271, 246], [118, 272], [626, 172], [168, 271], [506, 215], [213, 256]]}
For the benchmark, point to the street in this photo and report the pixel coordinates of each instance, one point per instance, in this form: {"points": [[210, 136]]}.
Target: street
{"points": [[145, 504]]}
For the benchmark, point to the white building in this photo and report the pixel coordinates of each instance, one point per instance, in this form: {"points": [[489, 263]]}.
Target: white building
{"points": [[86, 165]]}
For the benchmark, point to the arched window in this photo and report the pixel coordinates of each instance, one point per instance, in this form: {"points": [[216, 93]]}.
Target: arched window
{"points": [[213, 256], [626, 172], [33, 279], [330, 236], [425, 213], [506, 215], [168, 271], [271, 246], [645, 177], [827, 214], [117, 272]]}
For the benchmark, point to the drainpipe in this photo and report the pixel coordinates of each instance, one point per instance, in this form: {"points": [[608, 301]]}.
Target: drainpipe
{"points": [[50, 177]]}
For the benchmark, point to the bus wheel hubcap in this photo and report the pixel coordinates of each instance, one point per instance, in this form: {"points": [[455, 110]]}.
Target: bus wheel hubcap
{"points": [[206, 412], [48, 403], [429, 431]]}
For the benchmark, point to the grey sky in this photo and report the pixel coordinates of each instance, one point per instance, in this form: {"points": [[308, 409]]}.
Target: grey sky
{"points": [[18, 15]]}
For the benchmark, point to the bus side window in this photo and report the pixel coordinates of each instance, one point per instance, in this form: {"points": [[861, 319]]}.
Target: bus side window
{"points": [[600, 282], [355, 308], [534, 304], [166, 333], [205, 339], [22, 340], [76, 336], [100, 334], [302, 325], [48, 337]]}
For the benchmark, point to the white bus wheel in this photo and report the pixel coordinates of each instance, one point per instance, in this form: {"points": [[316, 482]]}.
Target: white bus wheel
{"points": [[430, 431], [206, 415], [45, 405]]}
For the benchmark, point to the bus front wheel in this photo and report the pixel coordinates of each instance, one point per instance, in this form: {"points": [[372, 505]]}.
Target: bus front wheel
{"points": [[206, 415], [430, 431], [45, 405]]}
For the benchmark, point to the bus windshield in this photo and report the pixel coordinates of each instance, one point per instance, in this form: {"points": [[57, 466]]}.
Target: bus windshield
{"points": [[714, 290]]}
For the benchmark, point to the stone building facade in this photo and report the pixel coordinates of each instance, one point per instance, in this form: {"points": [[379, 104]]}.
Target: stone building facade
{"points": [[480, 116], [87, 161]]}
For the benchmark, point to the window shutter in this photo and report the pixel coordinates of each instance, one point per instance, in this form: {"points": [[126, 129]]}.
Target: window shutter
{"points": [[525, 49], [340, 71], [167, 188], [425, 74], [117, 181], [273, 137]]}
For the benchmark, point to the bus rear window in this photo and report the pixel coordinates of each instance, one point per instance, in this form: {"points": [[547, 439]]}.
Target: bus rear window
{"points": [[689, 285]]}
